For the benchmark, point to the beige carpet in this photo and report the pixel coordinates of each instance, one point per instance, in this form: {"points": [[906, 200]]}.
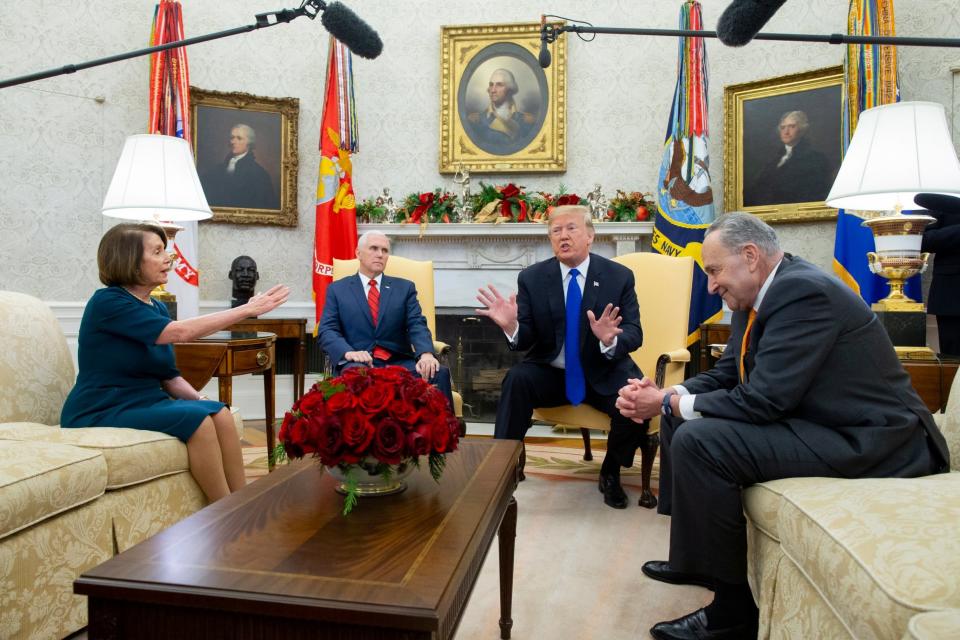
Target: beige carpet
{"points": [[577, 570]]}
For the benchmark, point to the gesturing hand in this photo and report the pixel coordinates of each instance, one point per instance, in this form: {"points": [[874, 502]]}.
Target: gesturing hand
{"points": [[268, 301], [607, 326], [503, 311]]}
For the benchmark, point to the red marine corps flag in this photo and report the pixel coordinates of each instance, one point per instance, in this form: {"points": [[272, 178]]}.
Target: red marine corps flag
{"points": [[336, 225]]}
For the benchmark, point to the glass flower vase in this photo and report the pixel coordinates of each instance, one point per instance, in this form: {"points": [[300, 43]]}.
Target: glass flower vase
{"points": [[371, 478]]}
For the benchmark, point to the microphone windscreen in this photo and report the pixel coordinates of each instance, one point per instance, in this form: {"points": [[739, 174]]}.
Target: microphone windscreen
{"points": [[544, 57], [743, 19], [938, 202], [347, 27]]}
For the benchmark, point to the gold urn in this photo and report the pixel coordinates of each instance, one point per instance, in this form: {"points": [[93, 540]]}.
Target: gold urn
{"points": [[898, 257]]}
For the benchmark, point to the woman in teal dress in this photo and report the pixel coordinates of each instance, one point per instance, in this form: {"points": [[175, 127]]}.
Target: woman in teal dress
{"points": [[128, 377]]}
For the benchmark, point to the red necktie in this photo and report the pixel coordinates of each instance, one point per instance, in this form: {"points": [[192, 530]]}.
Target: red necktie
{"points": [[746, 341], [373, 299]]}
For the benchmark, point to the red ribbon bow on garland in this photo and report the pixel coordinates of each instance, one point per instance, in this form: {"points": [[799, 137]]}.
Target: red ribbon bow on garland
{"points": [[426, 201], [509, 196]]}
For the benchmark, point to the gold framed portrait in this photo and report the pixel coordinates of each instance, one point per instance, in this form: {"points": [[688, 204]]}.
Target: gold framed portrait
{"points": [[499, 110], [245, 147], [782, 145]]}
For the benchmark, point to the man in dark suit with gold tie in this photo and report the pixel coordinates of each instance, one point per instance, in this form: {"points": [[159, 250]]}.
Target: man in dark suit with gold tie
{"points": [[575, 298], [809, 385]]}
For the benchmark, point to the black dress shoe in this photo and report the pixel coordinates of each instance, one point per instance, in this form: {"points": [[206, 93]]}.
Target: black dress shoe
{"points": [[693, 626], [613, 494], [660, 570]]}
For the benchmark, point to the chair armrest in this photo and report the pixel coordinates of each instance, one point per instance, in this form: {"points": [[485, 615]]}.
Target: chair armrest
{"points": [[440, 348], [678, 355]]}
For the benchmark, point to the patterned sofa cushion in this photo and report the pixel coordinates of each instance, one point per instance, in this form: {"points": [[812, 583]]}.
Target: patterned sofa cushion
{"points": [[132, 456], [879, 550], [41, 479], [934, 625], [761, 502], [36, 371]]}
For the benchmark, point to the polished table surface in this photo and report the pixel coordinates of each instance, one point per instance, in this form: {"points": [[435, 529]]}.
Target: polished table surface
{"points": [[278, 560]]}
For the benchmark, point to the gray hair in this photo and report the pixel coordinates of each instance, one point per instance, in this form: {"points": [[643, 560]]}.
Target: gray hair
{"points": [[508, 80], [362, 240], [738, 229], [248, 131], [802, 122], [569, 209]]}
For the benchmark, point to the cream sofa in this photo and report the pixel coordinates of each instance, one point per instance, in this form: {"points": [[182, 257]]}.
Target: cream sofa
{"points": [[69, 498], [876, 558]]}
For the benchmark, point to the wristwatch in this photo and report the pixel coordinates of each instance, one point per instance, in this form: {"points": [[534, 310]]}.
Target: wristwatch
{"points": [[665, 408]]}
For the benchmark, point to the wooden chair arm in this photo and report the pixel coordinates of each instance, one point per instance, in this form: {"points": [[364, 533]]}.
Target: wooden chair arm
{"points": [[677, 355]]}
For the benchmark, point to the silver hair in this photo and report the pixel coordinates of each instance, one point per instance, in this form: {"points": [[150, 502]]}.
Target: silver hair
{"points": [[362, 240], [509, 80], [568, 209], [738, 229], [248, 130], [802, 122]]}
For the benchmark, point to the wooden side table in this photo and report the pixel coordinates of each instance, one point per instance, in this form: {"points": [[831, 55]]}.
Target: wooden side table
{"points": [[232, 353], [285, 329]]}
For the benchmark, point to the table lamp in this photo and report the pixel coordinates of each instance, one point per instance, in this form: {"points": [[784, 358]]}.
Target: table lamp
{"points": [[156, 181], [897, 151]]}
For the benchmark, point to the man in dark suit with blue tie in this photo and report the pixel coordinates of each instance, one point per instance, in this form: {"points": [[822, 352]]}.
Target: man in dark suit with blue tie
{"points": [[808, 385], [576, 298], [371, 319]]}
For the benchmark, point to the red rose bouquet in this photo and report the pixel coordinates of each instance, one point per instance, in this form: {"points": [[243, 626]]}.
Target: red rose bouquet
{"points": [[374, 423]]}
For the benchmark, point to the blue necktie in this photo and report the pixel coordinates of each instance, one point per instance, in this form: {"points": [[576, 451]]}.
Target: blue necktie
{"points": [[576, 386]]}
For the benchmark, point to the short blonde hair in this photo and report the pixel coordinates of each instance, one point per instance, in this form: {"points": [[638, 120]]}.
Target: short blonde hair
{"points": [[121, 252], [572, 209]]}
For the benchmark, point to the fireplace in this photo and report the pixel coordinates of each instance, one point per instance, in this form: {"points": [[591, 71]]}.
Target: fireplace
{"points": [[478, 359]]}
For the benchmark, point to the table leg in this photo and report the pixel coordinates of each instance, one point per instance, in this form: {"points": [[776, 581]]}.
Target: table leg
{"points": [[508, 536], [300, 373], [269, 388], [225, 391]]}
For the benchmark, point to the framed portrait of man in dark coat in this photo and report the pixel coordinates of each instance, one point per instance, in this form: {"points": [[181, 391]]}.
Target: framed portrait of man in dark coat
{"points": [[245, 147], [783, 149]]}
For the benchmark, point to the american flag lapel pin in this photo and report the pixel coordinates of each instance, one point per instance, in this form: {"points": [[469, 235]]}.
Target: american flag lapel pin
{"points": [[596, 284]]}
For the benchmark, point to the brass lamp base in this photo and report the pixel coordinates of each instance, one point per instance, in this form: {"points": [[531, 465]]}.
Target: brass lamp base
{"points": [[160, 293]]}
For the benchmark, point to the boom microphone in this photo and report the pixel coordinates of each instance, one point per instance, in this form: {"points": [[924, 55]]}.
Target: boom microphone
{"points": [[743, 19], [347, 27], [544, 56]]}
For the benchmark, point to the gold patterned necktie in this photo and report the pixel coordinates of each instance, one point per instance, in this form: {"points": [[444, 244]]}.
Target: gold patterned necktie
{"points": [[746, 341]]}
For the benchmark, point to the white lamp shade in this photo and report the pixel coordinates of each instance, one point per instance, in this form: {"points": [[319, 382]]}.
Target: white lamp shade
{"points": [[156, 178], [897, 151]]}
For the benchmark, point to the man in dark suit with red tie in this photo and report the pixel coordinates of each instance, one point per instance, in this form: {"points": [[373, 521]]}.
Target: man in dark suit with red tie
{"points": [[809, 385], [576, 298], [371, 319]]}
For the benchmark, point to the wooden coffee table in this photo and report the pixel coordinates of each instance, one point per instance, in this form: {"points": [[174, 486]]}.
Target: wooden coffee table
{"points": [[277, 560]]}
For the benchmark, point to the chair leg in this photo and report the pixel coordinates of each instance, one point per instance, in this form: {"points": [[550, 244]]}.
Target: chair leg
{"points": [[587, 453], [648, 452], [521, 476], [462, 430]]}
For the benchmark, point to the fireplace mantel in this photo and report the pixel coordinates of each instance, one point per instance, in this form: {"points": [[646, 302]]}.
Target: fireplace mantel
{"points": [[467, 256]]}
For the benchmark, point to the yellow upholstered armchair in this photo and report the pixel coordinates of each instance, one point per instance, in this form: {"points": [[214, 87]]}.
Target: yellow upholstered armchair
{"points": [[420, 272], [663, 291]]}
